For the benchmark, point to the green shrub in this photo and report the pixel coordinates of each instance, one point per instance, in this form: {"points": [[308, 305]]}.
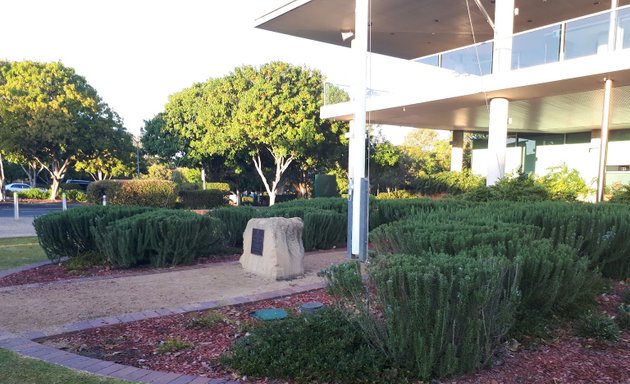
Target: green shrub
{"points": [[336, 204], [324, 229], [34, 193], [519, 187], [145, 192], [208, 320], [623, 316], [621, 194], [171, 345], [597, 326], [625, 296], [435, 315], [160, 238], [71, 233], [564, 184], [210, 198], [234, 220], [453, 183], [400, 194], [186, 175], [76, 195], [322, 347], [218, 185]]}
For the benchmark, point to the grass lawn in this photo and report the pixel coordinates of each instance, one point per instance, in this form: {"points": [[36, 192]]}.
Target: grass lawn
{"points": [[16, 251], [15, 369]]}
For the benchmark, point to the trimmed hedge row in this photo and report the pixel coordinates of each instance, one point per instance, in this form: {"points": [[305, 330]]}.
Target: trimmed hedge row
{"points": [[160, 238], [129, 236], [147, 192], [203, 199]]}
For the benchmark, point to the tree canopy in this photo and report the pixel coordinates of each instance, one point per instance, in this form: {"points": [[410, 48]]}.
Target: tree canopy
{"points": [[268, 114], [51, 115]]}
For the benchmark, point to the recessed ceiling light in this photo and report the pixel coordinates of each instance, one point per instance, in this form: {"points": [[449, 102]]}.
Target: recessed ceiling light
{"points": [[436, 20]]}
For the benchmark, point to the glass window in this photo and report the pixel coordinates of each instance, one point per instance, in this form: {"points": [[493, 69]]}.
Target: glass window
{"points": [[623, 28], [578, 138], [619, 135], [430, 60], [537, 47], [587, 36], [465, 60]]}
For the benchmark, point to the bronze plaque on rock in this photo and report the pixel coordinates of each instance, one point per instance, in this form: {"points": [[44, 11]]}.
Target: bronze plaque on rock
{"points": [[258, 238]]}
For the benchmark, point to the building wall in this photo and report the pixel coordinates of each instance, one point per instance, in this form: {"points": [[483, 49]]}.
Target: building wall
{"points": [[582, 156]]}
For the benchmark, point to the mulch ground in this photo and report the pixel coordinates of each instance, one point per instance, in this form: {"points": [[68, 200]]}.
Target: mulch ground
{"points": [[561, 359], [59, 272]]}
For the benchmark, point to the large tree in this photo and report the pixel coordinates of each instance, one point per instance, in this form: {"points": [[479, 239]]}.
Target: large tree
{"points": [[51, 115], [269, 114], [115, 158]]}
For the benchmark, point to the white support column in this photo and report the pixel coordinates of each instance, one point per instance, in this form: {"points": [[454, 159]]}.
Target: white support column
{"points": [[497, 140], [501, 62], [358, 129], [603, 145], [612, 29], [457, 151]]}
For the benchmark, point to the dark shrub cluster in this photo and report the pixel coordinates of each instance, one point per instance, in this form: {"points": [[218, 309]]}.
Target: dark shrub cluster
{"points": [[146, 192]]}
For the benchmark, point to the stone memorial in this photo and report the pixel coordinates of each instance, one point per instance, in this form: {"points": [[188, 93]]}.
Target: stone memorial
{"points": [[273, 248]]}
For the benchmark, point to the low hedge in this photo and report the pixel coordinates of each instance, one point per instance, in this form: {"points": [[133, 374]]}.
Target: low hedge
{"points": [[234, 221], [145, 192], [71, 233], [160, 238], [433, 316], [203, 199]]}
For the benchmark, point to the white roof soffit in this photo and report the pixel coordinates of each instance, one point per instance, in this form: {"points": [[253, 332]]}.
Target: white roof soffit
{"points": [[414, 28], [563, 96]]}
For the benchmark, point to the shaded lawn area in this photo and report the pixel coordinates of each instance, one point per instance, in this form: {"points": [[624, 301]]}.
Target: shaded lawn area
{"points": [[17, 251], [15, 369]]}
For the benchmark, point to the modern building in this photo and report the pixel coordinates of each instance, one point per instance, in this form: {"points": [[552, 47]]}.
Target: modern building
{"points": [[541, 82]]}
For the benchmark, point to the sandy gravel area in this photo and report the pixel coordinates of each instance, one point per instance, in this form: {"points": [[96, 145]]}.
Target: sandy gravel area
{"points": [[49, 306]]}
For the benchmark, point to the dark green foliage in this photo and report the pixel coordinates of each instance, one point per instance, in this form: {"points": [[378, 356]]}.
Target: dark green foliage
{"points": [[518, 188], [387, 211], [597, 326], [234, 220], [210, 198], [399, 194], [34, 193], [324, 229], [621, 195], [336, 204], [453, 183], [435, 315], [623, 316], [70, 233], [322, 347], [625, 296], [148, 192], [160, 238], [325, 186]]}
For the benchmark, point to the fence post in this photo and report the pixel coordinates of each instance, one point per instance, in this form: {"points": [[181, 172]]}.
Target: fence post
{"points": [[104, 200], [16, 206], [64, 202]]}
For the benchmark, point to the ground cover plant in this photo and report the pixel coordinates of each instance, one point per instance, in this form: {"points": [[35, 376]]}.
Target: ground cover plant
{"points": [[15, 369], [18, 251]]}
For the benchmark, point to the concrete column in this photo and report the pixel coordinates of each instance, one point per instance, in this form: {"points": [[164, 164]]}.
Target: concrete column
{"points": [[501, 62], [603, 146], [497, 140], [612, 29], [358, 133], [457, 151], [503, 30]]}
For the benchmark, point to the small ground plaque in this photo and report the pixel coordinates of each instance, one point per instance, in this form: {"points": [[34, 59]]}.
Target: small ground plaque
{"points": [[258, 239]]}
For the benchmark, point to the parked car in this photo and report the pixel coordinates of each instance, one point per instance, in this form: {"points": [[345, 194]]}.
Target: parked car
{"points": [[16, 187], [81, 184]]}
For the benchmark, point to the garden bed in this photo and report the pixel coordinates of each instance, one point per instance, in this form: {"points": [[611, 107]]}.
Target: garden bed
{"points": [[58, 272], [561, 358]]}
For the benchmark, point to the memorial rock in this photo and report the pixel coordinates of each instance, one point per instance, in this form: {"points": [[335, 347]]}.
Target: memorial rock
{"points": [[273, 248]]}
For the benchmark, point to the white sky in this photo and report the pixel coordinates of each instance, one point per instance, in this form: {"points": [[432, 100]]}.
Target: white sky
{"points": [[138, 52]]}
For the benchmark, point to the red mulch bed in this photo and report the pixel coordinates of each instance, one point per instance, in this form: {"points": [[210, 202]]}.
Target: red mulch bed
{"points": [[564, 358], [56, 272]]}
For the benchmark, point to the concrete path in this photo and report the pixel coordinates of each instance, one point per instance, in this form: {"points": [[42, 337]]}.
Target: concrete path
{"points": [[10, 227], [38, 310]]}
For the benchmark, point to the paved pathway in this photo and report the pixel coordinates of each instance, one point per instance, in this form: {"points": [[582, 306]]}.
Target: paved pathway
{"points": [[38, 310]]}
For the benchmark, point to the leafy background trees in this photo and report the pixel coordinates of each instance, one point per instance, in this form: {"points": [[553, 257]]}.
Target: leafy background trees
{"points": [[51, 116]]}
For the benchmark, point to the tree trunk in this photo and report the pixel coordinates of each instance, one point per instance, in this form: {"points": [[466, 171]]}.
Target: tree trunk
{"points": [[57, 173], [281, 162]]}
